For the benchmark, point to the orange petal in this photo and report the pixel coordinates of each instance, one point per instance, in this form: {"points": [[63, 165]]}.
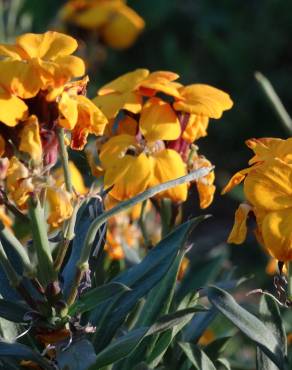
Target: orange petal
{"points": [[12, 109], [196, 128], [30, 140], [235, 180], [239, 230]]}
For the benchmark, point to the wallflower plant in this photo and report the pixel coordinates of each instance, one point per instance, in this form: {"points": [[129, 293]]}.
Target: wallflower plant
{"points": [[62, 306]]}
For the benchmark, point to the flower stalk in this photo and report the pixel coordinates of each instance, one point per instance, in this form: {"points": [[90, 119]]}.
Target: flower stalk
{"points": [[41, 243], [289, 275], [64, 160]]}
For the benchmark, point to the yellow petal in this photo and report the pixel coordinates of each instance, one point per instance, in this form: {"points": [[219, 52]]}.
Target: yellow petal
{"points": [[168, 165], [115, 149], [205, 185], [123, 28], [235, 180], [111, 104], [30, 140], [60, 206], [239, 230], [160, 81], [19, 77], [12, 109], [196, 128], [68, 107], [158, 121], [277, 234], [127, 82], [47, 45], [268, 148], [269, 186], [203, 99], [13, 51], [130, 177]]}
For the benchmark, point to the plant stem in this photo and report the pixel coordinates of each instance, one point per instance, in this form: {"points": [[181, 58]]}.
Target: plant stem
{"points": [[82, 263], [65, 160], [289, 277], [165, 214], [142, 225], [275, 101], [45, 262]]}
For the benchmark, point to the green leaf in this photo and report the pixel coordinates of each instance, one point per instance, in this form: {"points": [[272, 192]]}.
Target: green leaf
{"points": [[157, 303], [223, 363], [215, 348], [249, 324], [96, 296], [124, 345], [22, 352], [141, 278], [13, 311], [270, 314], [197, 357], [79, 356]]}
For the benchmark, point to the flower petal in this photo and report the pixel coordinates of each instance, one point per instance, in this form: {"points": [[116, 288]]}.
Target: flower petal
{"points": [[239, 230], [68, 107], [203, 99], [47, 45], [130, 177], [196, 128], [277, 234], [12, 109], [60, 206], [235, 180], [168, 165], [127, 82], [159, 121], [115, 149], [30, 140], [269, 186]]}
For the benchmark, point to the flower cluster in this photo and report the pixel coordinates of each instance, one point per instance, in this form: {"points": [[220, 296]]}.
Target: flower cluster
{"points": [[268, 190], [37, 99], [153, 124], [116, 24]]}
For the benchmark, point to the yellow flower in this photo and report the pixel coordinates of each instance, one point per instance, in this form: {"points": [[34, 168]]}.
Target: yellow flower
{"points": [[39, 61], [60, 206], [134, 164], [118, 25], [30, 140], [82, 117], [268, 190]]}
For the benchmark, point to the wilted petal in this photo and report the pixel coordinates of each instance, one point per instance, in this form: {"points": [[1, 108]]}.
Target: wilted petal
{"points": [[235, 180], [60, 206], [196, 128]]}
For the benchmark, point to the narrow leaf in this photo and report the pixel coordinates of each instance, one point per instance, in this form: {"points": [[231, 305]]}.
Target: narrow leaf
{"points": [[197, 357], [96, 296], [13, 311], [249, 324]]}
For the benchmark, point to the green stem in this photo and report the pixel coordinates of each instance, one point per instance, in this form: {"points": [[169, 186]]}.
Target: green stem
{"points": [[275, 101], [41, 243], [6, 234], [289, 275], [65, 160], [65, 242], [82, 263]]}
